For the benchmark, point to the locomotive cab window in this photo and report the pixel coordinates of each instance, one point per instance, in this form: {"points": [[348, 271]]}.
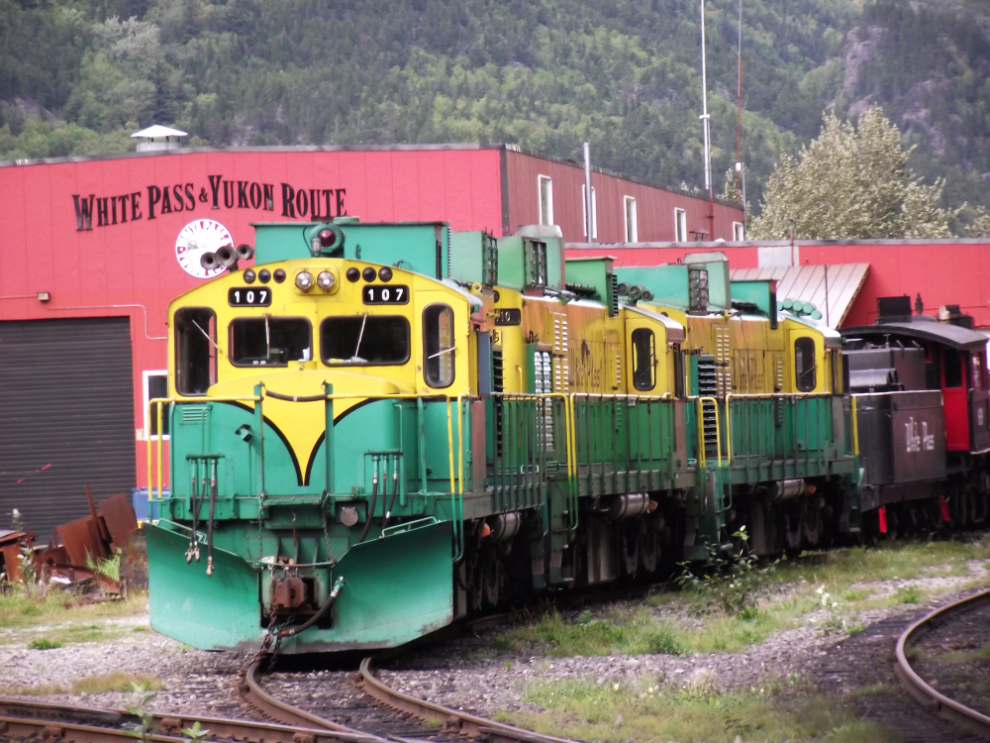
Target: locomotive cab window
{"points": [[804, 364], [438, 345], [977, 370], [644, 359], [364, 339], [270, 341], [195, 350]]}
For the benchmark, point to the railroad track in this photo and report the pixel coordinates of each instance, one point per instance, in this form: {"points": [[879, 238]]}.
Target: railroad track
{"points": [[939, 703], [455, 723], [37, 720]]}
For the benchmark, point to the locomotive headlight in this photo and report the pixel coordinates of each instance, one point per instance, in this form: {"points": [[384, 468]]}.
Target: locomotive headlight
{"points": [[304, 281], [325, 280]]}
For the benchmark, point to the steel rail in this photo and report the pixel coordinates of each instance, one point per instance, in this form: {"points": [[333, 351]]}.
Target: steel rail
{"points": [[44, 715], [69, 732], [326, 730], [455, 720], [923, 692]]}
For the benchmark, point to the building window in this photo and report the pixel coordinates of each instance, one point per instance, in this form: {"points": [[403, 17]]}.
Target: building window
{"points": [[644, 358], [680, 226], [155, 388], [738, 231], [195, 350], [804, 364], [438, 345], [546, 199], [584, 212], [632, 228], [269, 341], [364, 340]]}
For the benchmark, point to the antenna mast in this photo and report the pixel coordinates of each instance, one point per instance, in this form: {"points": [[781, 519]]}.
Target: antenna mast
{"points": [[706, 122]]}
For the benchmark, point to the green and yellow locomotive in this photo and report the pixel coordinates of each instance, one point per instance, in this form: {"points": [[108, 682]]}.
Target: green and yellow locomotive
{"points": [[379, 429]]}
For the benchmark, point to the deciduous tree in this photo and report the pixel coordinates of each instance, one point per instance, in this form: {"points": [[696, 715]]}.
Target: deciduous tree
{"points": [[853, 181]]}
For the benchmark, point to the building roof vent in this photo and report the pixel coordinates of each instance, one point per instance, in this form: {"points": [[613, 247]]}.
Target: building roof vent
{"points": [[158, 137]]}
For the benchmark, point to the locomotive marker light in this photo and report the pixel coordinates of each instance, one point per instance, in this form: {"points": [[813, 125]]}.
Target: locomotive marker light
{"points": [[249, 276], [304, 281]]}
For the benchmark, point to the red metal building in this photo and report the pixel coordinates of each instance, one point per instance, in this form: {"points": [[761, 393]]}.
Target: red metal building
{"points": [[942, 272], [93, 250]]}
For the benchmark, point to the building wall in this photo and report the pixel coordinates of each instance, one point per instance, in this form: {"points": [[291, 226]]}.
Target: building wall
{"points": [[942, 271], [655, 206], [130, 269]]}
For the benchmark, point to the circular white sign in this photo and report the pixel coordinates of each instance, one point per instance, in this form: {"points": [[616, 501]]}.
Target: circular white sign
{"points": [[197, 238]]}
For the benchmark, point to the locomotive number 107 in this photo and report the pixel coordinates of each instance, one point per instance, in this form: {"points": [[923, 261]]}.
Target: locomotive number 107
{"points": [[386, 294], [244, 296]]}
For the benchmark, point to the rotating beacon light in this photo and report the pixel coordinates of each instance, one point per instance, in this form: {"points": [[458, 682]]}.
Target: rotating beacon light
{"points": [[326, 239]]}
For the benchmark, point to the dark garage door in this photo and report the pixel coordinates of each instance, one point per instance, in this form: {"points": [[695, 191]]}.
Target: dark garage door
{"points": [[66, 417]]}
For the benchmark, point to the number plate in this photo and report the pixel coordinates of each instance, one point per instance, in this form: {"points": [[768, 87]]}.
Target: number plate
{"points": [[249, 296], [510, 316], [385, 294]]}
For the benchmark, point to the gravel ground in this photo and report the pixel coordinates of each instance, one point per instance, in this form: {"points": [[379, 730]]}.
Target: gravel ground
{"points": [[461, 674]]}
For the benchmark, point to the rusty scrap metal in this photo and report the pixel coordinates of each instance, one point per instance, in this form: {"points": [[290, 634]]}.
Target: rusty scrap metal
{"points": [[76, 545]]}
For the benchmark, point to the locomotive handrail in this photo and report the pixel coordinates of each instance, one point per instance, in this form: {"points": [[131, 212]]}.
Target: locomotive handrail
{"points": [[855, 421]]}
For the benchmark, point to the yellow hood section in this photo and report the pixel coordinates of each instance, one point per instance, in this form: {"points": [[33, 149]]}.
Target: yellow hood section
{"points": [[303, 423]]}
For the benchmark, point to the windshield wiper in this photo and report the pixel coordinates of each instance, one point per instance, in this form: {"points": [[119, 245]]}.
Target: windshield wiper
{"points": [[356, 358]]}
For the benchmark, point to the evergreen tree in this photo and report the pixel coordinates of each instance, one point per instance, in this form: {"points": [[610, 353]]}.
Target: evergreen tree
{"points": [[852, 182]]}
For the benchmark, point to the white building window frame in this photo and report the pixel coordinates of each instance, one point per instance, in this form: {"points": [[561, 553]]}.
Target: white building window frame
{"points": [[680, 225], [738, 232], [146, 397], [594, 212], [544, 196], [631, 219]]}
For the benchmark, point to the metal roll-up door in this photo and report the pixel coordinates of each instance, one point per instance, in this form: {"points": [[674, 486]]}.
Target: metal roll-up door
{"points": [[66, 417]]}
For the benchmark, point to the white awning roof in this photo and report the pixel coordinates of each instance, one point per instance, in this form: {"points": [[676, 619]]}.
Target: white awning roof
{"points": [[807, 283], [156, 131]]}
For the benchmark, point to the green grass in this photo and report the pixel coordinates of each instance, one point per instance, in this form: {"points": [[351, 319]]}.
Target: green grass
{"points": [[908, 595], [791, 599], [583, 709], [631, 633], [43, 643], [115, 681], [963, 656], [19, 611]]}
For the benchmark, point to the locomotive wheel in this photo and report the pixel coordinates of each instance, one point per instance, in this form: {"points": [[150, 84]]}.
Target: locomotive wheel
{"points": [[630, 553], [981, 504], [649, 551], [811, 526], [490, 580], [476, 588], [792, 533], [893, 523], [961, 509]]}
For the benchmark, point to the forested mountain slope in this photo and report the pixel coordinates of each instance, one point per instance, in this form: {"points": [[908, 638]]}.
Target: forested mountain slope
{"points": [[79, 76]]}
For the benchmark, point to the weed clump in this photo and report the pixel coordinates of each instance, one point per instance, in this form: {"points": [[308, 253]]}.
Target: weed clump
{"points": [[729, 584]]}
